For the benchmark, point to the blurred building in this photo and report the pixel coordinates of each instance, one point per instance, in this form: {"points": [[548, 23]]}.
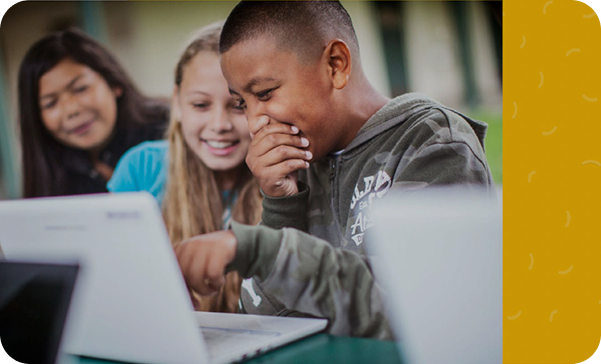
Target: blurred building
{"points": [[450, 51]]}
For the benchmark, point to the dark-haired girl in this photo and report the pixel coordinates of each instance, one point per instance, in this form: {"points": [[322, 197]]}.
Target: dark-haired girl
{"points": [[79, 112]]}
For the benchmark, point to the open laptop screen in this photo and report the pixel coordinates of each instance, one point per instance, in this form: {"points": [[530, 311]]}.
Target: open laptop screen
{"points": [[438, 253], [34, 300]]}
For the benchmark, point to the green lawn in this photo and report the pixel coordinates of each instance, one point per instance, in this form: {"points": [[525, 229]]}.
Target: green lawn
{"points": [[493, 141]]}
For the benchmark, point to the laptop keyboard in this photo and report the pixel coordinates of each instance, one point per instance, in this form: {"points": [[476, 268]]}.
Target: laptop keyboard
{"points": [[221, 340]]}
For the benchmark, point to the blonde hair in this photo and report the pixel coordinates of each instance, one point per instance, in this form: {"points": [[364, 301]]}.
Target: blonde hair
{"points": [[192, 204]]}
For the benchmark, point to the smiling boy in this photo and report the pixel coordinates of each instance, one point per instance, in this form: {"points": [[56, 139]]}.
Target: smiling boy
{"points": [[325, 146]]}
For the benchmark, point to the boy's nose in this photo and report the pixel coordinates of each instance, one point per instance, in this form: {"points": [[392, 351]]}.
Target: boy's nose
{"points": [[255, 124], [256, 117]]}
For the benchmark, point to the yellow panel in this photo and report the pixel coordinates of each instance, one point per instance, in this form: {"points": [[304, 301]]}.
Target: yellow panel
{"points": [[552, 180]]}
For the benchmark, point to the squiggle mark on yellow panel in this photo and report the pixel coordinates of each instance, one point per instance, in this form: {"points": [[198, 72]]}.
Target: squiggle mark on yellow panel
{"points": [[572, 51], [547, 133], [515, 112], [523, 42], [514, 317], [545, 7], [569, 218], [590, 99], [562, 272], [590, 16], [552, 314], [530, 176], [542, 80], [590, 161], [531, 261]]}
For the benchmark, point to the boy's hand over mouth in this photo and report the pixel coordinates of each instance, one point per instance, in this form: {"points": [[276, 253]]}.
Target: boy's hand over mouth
{"points": [[275, 155]]}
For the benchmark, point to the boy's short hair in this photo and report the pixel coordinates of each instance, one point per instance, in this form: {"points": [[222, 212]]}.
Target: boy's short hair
{"points": [[297, 25]]}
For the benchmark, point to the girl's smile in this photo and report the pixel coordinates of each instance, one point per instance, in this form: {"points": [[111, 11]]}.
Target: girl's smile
{"points": [[221, 148]]}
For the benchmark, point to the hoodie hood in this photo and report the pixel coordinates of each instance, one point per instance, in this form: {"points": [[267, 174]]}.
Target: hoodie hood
{"points": [[399, 109]]}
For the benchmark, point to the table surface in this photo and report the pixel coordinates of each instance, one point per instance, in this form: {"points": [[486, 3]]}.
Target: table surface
{"points": [[320, 348]]}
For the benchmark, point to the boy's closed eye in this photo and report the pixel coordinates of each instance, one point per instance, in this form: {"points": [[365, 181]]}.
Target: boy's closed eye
{"points": [[262, 96], [265, 95]]}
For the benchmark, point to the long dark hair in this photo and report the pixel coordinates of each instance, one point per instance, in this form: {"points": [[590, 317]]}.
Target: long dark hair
{"points": [[43, 172]]}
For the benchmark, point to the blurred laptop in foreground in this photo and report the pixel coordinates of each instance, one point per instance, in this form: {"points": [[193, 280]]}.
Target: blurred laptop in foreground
{"points": [[34, 300], [438, 254]]}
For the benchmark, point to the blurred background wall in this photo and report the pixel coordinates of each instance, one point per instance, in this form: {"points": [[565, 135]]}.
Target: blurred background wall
{"points": [[450, 51]]}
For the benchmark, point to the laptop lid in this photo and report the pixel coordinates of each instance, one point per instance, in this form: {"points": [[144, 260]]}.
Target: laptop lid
{"points": [[438, 255], [34, 300], [130, 301]]}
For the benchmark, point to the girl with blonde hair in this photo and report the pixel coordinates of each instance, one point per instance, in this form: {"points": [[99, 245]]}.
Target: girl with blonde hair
{"points": [[199, 174]]}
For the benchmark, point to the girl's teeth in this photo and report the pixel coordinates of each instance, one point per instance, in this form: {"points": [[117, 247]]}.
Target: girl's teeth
{"points": [[219, 145]]}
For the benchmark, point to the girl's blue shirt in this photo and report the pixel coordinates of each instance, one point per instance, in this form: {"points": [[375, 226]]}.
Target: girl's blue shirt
{"points": [[144, 168]]}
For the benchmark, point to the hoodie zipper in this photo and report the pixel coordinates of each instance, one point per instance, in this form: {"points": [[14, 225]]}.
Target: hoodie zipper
{"points": [[334, 166]]}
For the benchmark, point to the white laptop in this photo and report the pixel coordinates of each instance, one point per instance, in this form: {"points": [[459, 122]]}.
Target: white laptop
{"points": [[438, 255], [130, 301]]}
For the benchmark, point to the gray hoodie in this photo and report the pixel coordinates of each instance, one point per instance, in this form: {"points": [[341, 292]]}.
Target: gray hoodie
{"points": [[308, 257]]}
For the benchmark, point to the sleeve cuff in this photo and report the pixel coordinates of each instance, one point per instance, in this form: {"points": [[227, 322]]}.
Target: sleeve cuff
{"points": [[289, 211]]}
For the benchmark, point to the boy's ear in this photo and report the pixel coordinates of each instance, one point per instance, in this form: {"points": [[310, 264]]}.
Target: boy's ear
{"points": [[175, 108], [339, 61]]}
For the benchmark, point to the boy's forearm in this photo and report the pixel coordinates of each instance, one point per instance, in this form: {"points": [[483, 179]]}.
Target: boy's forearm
{"points": [[256, 251], [309, 275]]}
